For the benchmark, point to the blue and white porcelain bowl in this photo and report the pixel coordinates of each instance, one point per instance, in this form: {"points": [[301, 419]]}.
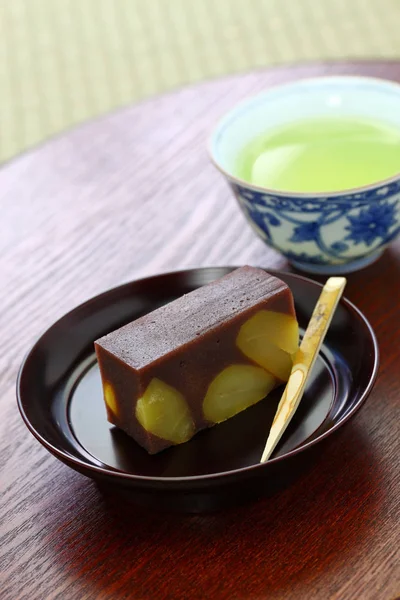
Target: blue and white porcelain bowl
{"points": [[322, 233]]}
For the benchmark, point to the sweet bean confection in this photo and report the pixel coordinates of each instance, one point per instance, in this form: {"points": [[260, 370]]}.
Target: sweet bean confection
{"points": [[200, 359]]}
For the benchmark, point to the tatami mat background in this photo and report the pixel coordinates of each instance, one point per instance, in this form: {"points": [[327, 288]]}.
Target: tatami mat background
{"points": [[65, 61]]}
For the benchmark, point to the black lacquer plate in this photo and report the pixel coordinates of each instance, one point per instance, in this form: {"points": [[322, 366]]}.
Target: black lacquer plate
{"points": [[60, 399]]}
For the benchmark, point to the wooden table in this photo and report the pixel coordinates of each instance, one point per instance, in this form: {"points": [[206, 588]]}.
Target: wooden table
{"points": [[133, 194]]}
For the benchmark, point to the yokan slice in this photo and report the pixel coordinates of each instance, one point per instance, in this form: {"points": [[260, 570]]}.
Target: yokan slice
{"points": [[199, 359]]}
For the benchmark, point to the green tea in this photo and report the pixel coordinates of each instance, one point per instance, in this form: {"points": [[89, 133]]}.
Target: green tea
{"points": [[321, 155]]}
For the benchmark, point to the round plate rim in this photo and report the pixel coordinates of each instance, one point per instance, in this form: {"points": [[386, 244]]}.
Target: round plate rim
{"points": [[107, 471]]}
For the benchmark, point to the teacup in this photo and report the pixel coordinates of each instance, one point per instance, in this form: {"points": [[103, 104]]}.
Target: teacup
{"points": [[323, 233]]}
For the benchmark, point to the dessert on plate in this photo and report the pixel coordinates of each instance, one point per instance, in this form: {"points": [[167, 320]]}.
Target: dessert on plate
{"points": [[200, 359]]}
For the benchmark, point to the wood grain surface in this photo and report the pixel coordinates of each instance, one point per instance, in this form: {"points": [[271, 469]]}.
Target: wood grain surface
{"points": [[130, 195]]}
